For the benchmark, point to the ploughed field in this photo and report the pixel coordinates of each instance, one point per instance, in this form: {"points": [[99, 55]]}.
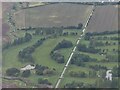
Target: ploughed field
{"points": [[105, 18], [61, 14]]}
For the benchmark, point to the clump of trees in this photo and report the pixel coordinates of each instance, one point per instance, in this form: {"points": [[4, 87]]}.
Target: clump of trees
{"points": [[98, 67], [107, 38], [104, 83], [79, 85], [24, 39], [55, 53], [18, 41], [49, 31], [79, 59], [115, 71], [57, 56], [43, 70], [78, 74], [84, 48], [43, 81], [88, 35], [71, 33], [13, 72], [112, 57], [63, 44], [101, 33], [26, 73], [92, 74], [25, 55], [79, 26]]}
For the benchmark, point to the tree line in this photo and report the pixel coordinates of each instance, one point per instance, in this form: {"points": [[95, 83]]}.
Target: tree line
{"points": [[55, 53], [19, 41], [25, 55], [48, 31], [84, 48], [39, 70], [78, 85], [79, 59], [44, 70], [102, 33]]}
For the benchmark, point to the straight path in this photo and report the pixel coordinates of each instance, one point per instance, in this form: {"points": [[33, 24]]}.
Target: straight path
{"points": [[74, 49]]}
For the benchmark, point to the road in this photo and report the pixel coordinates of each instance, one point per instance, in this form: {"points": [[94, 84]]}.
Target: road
{"points": [[74, 49]]}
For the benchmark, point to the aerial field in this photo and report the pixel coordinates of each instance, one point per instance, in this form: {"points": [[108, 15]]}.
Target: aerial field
{"points": [[105, 18], [91, 80], [46, 50], [61, 14]]}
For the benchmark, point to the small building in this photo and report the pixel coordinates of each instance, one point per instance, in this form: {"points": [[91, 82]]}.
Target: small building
{"points": [[109, 75], [28, 67]]}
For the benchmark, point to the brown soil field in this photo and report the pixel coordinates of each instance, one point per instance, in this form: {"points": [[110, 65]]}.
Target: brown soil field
{"points": [[105, 18], [61, 14], [6, 7], [5, 28]]}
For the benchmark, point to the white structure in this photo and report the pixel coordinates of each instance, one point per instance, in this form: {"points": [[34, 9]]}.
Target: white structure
{"points": [[98, 74], [102, 1], [28, 67], [109, 75]]}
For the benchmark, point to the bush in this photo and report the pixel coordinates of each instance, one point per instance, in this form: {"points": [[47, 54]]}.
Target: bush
{"points": [[79, 85], [13, 72], [78, 74], [79, 59], [57, 57], [26, 73], [84, 48], [63, 44], [43, 81]]}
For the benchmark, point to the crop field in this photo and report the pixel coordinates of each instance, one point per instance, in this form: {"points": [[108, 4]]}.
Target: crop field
{"points": [[62, 14], [105, 18]]}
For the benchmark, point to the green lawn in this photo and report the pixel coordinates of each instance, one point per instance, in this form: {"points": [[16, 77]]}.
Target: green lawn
{"points": [[41, 56], [96, 56], [108, 65], [10, 58], [79, 80], [68, 79]]}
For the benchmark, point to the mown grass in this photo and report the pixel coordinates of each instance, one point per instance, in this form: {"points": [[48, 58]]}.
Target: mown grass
{"points": [[41, 56], [10, 56], [68, 79]]}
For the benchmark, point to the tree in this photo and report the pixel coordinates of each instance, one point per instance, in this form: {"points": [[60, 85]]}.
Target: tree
{"points": [[13, 72], [43, 81], [115, 71], [28, 37], [48, 72], [63, 44], [92, 74], [80, 25], [57, 56], [78, 74], [90, 49], [26, 73], [79, 59]]}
